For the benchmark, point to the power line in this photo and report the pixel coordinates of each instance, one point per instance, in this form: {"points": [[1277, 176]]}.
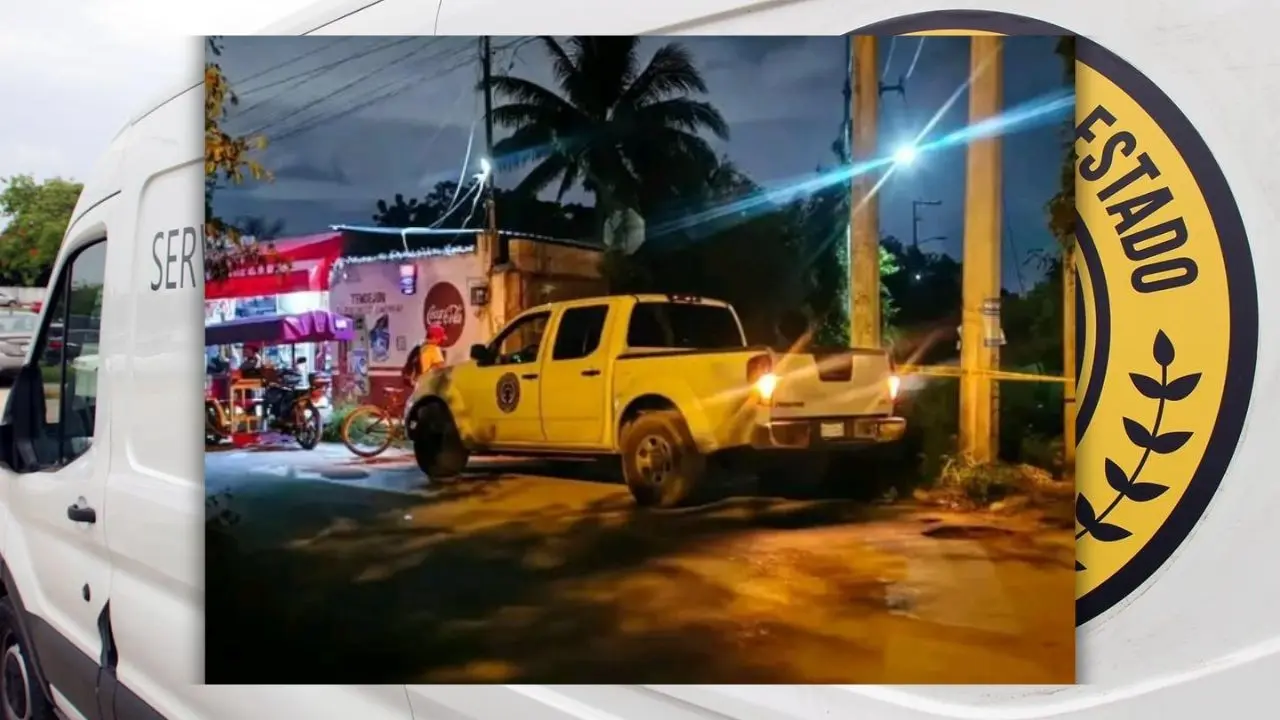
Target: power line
{"points": [[279, 66], [340, 89], [389, 90], [915, 58], [1011, 245], [888, 61], [298, 79]]}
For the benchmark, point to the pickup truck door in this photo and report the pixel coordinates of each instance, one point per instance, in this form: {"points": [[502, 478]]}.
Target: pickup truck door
{"points": [[55, 546], [573, 394], [504, 393]]}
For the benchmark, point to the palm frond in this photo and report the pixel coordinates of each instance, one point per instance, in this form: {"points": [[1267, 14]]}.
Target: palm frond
{"points": [[529, 92], [670, 72], [684, 114]]}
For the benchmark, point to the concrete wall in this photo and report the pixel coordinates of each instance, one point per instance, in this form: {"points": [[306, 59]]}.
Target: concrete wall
{"points": [[539, 272]]}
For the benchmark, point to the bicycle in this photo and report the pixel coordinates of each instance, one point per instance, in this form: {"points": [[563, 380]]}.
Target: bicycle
{"points": [[384, 425]]}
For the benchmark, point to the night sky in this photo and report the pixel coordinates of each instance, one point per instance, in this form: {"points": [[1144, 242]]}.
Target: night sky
{"points": [[352, 120]]}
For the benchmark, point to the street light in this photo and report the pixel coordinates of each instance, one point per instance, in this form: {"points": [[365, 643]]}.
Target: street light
{"points": [[905, 155]]}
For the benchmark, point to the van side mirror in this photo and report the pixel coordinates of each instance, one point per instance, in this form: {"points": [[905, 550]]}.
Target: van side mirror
{"points": [[480, 353]]}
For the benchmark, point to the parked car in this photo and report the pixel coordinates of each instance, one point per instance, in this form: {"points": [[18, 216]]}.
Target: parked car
{"points": [[7, 300], [17, 327]]}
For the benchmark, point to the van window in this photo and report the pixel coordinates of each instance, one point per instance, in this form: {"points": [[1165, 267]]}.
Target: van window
{"points": [[684, 326], [579, 332], [67, 357]]}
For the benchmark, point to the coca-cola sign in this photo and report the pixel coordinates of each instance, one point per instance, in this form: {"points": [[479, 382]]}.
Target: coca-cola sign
{"points": [[444, 306]]}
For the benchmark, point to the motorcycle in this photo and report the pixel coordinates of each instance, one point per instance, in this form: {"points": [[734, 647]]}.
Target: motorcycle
{"points": [[289, 406]]}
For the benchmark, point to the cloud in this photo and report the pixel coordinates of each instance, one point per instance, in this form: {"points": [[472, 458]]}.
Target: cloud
{"points": [[75, 71]]}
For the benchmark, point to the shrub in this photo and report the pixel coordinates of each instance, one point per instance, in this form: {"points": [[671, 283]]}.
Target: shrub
{"points": [[332, 430]]}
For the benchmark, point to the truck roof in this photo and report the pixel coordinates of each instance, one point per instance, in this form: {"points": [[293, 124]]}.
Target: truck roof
{"points": [[637, 297]]}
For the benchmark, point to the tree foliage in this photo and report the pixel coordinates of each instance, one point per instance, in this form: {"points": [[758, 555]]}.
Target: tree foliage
{"points": [[625, 132], [38, 214], [520, 213], [228, 160], [1061, 207]]}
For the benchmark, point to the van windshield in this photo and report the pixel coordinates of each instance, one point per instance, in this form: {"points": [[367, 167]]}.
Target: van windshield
{"points": [[685, 326]]}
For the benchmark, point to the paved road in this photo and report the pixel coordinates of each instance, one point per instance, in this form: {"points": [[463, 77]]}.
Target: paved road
{"points": [[346, 572]]}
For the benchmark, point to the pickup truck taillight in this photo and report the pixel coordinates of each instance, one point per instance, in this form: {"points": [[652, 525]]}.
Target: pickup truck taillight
{"points": [[895, 382], [758, 367], [761, 378]]}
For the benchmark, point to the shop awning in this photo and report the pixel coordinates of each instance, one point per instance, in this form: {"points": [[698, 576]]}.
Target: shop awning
{"points": [[309, 259], [313, 326]]}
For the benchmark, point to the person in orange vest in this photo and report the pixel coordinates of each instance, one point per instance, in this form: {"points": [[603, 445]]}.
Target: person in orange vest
{"points": [[432, 354], [424, 357]]}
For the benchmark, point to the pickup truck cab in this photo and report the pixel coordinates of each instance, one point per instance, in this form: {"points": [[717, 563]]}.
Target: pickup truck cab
{"points": [[665, 382]]}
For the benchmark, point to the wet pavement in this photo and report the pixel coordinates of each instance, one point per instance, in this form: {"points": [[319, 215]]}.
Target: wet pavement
{"points": [[348, 571]]}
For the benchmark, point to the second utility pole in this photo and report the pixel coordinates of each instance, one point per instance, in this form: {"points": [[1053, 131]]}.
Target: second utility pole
{"points": [[864, 218], [980, 266]]}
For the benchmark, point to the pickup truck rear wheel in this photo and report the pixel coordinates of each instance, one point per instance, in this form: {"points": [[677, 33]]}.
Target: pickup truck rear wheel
{"points": [[660, 462], [20, 692], [437, 444]]}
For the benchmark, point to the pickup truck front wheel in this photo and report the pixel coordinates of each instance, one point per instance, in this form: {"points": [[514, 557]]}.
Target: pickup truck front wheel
{"points": [[437, 444], [660, 462]]}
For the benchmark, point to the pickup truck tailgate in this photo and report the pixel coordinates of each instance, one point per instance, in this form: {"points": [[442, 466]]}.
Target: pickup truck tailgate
{"points": [[835, 383]]}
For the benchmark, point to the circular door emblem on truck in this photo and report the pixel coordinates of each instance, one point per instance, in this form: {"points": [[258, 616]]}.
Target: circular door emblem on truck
{"points": [[508, 392], [1167, 312]]}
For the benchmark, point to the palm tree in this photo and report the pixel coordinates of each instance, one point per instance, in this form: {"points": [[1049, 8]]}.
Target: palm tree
{"points": [[623, 131]]}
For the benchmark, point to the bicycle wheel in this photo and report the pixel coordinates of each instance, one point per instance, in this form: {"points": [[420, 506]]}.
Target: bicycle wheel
{"points": [[367, 431]]}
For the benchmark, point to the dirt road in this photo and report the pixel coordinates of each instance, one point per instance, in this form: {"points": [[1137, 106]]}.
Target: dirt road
{"points": [[350, 573]]}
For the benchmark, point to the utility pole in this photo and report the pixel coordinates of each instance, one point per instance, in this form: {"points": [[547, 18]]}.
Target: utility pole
{"points": [[864, 218], [980, 313], [915, 219], [486, 68]]}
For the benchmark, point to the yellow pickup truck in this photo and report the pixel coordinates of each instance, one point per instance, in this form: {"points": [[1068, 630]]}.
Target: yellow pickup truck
{"points": [[666, 382]]}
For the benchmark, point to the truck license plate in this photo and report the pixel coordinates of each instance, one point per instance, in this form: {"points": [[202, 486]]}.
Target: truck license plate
{"points": [[831, 430]]}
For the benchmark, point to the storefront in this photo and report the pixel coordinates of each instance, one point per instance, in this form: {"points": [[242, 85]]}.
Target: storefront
{"points": [[395, 282], [297, 282], [393, 299]]}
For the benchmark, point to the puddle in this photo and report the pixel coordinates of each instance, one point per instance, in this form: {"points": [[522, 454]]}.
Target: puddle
{"points": [[966, 532], [343, 474]]}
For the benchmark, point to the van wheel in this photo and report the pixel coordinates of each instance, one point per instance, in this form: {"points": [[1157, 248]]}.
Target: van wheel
{"points": [[796, 475], [20, 692], [660, 462], [437, 444]]}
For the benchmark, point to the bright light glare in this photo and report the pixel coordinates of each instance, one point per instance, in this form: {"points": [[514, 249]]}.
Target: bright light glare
{"points": [[766, 385], [895, 384], [485, 167], [905, 155]]}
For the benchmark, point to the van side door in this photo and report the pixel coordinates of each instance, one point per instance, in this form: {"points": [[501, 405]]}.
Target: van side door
{"points": [[55, 547]]}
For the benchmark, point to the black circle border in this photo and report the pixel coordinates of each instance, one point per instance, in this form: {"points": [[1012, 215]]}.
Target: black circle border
{"points": [[1242, 289]]}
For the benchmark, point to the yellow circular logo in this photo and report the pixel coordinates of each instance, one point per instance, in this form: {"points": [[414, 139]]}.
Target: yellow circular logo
{"points": [[1167, 315]]}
